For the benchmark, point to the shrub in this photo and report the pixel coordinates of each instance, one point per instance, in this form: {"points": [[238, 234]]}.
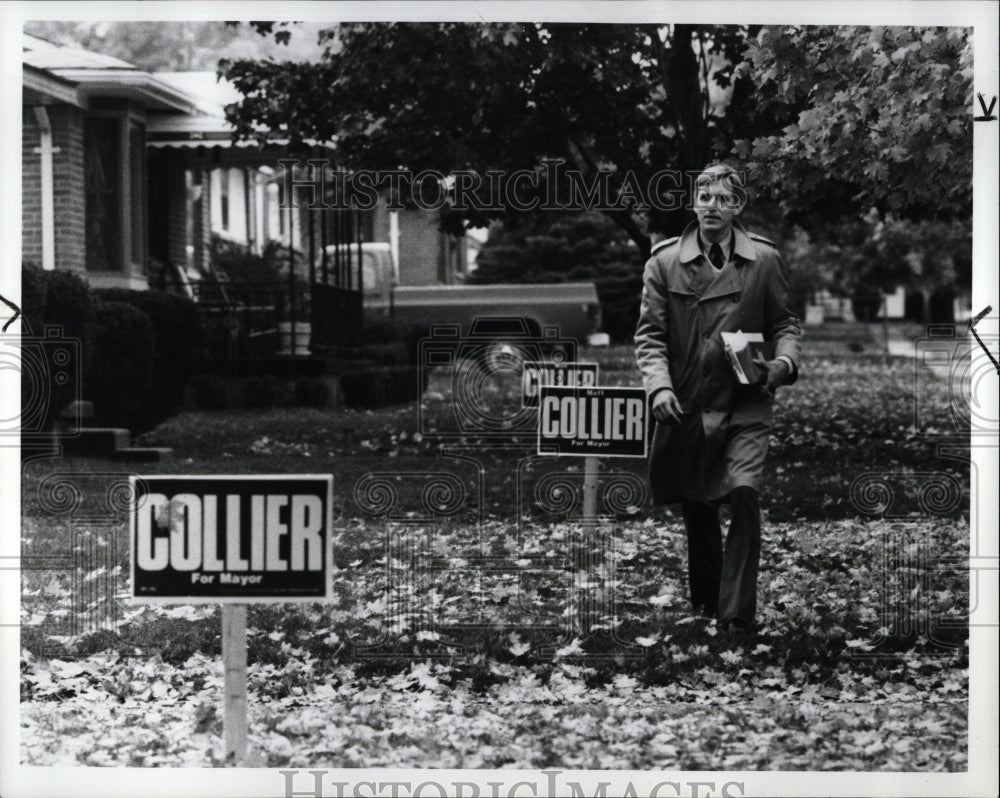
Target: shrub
{"points": [[578, 246], [61, 300], [915, 307], [241, 265], [270, 268], [804, 282], [177, 341], [260, 392], [376, 387], [381, 332], [311, 393], [407, 336], [70, 305], [408, 383], [119, 381], [394, 354], [33, 292], [618, 290], [941, 306], [209, 393], [363, 389], [866, 305]]}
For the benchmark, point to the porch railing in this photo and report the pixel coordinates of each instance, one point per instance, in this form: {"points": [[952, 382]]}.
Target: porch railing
{"points": [[251, 321], [254, 321], [262, 320]]}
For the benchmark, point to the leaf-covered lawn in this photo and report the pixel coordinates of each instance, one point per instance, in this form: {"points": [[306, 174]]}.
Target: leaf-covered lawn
{"points": [[502, 633], [835, 679], [426, 717]]}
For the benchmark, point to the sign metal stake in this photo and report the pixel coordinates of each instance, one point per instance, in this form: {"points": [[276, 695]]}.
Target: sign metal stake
{"points": [[587, 607], [591, 467], [234, 661]]}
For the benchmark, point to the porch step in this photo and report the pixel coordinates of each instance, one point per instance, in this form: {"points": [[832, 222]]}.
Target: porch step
{"points": [[143, 454], [77, 410], [95, 441], [112, 443]]}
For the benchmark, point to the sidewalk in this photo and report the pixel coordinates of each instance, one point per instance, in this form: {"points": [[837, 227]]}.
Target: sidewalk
{"points": [[943, 367]]}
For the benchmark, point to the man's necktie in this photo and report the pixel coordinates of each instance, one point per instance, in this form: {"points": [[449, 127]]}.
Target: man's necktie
{"points": [[715, 255]]}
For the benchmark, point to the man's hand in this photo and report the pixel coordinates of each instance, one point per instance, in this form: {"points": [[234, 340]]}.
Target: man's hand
{"points": [[775, 371], [666, 408]]}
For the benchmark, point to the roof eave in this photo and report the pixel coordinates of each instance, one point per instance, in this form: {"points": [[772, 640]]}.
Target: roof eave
{"points": [[140, 86], [45, 83]]}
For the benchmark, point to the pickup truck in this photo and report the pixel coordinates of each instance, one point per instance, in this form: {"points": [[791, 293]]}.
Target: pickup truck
{"points": [[572, 307]]}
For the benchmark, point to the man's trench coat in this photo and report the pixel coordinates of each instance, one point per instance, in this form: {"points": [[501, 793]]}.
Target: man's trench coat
{"points": [[722, 440]]}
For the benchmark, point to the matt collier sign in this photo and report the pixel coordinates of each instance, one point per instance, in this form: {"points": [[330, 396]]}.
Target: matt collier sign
{"points": [[233, 539], [592, 421]]}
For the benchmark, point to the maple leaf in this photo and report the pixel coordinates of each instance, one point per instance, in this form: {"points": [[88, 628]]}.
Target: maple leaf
{"points": [[730, 657], [573, 649], [518, 647]]}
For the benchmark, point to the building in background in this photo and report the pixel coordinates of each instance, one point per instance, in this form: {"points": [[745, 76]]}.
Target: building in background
{"points": [[85, 200], [128, 175]]}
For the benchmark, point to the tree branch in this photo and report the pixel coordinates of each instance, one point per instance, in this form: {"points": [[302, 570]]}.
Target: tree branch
{"points": [[622, 218], [704, 74]]}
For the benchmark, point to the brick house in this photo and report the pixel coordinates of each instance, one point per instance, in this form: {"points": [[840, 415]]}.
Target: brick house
{"points": [[101, 196], [128, 175], [83, 159]]}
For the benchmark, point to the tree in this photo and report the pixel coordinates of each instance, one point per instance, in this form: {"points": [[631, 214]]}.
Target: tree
{"points": [[167, 46], [617, 101], [878, 118], [853, 130], [875, 159], [568, 246]]}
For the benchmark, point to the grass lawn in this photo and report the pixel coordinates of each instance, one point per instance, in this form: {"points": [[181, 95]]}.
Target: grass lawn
{"points": [[477, 624]]}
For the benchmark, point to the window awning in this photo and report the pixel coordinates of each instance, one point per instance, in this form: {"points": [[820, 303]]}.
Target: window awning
{"points": [[195, 139], [203, 139]]}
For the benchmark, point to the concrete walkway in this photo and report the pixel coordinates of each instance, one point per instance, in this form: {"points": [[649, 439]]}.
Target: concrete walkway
{"points": [[938, 356]]}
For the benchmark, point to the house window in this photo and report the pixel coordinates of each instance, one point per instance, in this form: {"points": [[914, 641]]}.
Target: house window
{"points": [[114, 162], [281, 210], [195, 230], [224, 198], [102, 181]]}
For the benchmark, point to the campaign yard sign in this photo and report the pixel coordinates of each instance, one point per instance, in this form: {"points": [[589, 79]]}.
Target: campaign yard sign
{"points": [[535, 374], [592, 422], [231, 539]]}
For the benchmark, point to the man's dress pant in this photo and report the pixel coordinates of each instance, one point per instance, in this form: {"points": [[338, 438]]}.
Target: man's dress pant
{"points": [[724, 580]]}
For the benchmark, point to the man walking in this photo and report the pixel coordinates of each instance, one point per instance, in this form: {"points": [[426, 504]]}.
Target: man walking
{"points": [[712, 432]]}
